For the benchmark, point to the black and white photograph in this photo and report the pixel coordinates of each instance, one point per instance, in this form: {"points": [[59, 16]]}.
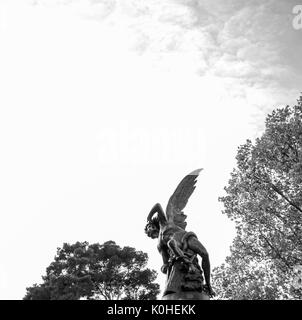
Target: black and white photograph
{"points": [[150, 150]]}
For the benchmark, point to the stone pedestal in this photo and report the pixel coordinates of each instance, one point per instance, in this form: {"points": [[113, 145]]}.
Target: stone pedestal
{"points": [[188, 295]]}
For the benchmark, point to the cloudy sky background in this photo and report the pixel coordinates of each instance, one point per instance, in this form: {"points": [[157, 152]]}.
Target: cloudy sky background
{"points": [[106, 104]]}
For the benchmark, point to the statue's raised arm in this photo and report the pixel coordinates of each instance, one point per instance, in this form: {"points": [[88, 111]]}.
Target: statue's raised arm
{"points": [[179, 248]]}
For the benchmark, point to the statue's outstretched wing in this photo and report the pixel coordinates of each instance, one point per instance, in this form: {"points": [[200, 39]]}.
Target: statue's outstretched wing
{"points": [[179, 199]]}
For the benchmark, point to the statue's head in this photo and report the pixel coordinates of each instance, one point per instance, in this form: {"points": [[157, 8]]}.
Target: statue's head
{"points": [[152, 228]]}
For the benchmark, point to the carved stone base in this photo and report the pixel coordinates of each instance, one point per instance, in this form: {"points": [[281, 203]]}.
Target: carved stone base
{"points": [[188, 295]]}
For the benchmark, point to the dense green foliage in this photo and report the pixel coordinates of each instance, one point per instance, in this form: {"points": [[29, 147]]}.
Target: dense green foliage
{"points": [[107, 271], [264, 199]]}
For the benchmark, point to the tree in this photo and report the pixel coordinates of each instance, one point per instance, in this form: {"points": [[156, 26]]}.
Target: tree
{"points": [[264, 199], [107, 271]]}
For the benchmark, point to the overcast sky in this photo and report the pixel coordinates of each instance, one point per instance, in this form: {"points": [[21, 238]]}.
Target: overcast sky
{"points": [[105, 105]]}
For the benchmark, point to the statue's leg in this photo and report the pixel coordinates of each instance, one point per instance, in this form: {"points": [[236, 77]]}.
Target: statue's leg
{"points": [[195, 245], [174, 286]]}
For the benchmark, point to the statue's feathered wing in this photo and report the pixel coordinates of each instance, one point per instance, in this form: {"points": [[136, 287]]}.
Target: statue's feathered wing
{"points": [[179, 199]]}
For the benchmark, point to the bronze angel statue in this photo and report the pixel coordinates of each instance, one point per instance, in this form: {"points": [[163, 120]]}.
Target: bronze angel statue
{"points": [[180, 248]]}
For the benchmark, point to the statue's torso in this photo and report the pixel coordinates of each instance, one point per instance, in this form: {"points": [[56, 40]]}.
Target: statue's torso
{"points": [[167, 233]]}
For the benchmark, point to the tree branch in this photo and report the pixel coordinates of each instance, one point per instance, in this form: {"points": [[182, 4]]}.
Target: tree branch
{"points": [[274, 249], [285, 197]]}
